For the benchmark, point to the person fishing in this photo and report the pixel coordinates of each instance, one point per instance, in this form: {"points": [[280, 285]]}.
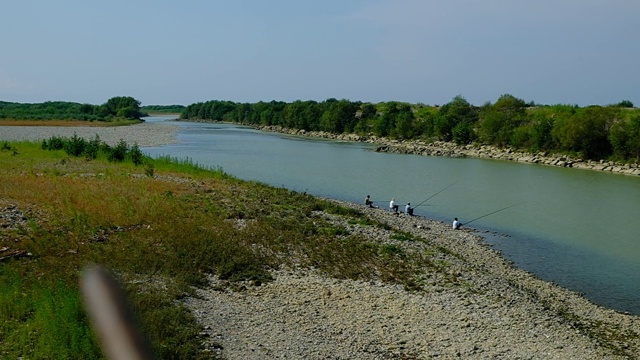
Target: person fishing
{"points": [[368, 202], [393, 206], [408, 209], [457, 224]]}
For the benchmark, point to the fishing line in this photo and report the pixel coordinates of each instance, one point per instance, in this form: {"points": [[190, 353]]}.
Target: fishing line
{"points": [[450, 185], [491, 213]]}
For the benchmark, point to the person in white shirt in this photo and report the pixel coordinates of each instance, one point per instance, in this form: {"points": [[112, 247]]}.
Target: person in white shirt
{"points": [[456, 224], [392, 205]]}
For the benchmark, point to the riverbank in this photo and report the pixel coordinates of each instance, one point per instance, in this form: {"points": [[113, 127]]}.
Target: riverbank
{"points": [[473, 303], [481, 307], [441, 148]]}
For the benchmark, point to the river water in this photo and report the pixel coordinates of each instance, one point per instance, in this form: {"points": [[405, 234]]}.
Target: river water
{"points": [[577, 228]]}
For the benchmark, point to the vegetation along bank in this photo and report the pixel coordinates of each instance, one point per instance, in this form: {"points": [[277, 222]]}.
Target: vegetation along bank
{"points": [[602, 134]]}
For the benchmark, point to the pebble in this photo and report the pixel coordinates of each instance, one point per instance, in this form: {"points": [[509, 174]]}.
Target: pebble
{"points": [[303, 314], [143, 134]]}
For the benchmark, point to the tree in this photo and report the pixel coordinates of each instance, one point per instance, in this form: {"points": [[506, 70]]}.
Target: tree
{"points": [[625, 138], [498, 121], [425, 117], [403, 121], [625, 104], [366, 116], [115, 104], [587, 131], [339, 116], [453, 114], [540, 132]]}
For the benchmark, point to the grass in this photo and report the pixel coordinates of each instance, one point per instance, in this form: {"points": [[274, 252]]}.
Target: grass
{"points": [[162, 227]]}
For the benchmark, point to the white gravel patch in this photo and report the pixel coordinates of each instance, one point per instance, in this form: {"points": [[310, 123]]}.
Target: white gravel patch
{"points": [[143, 134]]}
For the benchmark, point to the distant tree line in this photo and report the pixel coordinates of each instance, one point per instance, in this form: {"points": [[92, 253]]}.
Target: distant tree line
{"points": [[593, 132], [117, 107], [168, 109]]}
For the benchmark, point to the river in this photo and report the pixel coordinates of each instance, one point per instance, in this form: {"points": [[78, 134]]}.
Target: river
{"points": [[576, 228]]}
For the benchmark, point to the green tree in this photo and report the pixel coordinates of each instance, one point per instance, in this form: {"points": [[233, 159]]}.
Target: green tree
{"points": [[498, 121], [587, 131], [425, 117], [625, 104], [124, 106], [301, 115], [339, 116], [403, 121], [625, 138], [366, 116], [457, 113], [540, 132]]}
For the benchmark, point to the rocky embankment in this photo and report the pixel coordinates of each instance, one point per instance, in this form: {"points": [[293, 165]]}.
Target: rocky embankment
{"points": [[441, 148], [490, 311]]}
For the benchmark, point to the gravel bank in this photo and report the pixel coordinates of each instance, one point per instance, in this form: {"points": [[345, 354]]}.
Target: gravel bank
{"points": [[498, 313], [144, 134]]}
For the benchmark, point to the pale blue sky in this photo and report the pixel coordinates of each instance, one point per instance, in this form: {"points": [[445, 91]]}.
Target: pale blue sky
{"points": [[181, 52]]}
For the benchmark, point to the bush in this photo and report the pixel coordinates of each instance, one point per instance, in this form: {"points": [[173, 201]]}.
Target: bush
{"points": [[92, 148], [75, 145], [54, 143], [136, 155], [118, 153], [463, 133]]}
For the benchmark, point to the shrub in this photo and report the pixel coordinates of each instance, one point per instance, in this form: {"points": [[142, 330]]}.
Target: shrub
{"points": [[75, 145], [136, 155], [119, 152], [54, 143], [92, 148]]}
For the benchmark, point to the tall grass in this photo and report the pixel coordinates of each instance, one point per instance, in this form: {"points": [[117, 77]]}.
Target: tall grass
{"points": [[42, 319]]}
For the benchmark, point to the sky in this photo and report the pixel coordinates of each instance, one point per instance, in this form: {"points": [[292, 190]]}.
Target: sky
{"points": [[162, 52]]}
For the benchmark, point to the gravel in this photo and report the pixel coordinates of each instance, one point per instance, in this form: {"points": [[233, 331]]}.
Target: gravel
{"points": [[144, 134], [499, 313]]}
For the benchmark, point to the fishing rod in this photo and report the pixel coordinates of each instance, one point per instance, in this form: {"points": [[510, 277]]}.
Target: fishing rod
{"points": [[491, 213], [450, 185]]}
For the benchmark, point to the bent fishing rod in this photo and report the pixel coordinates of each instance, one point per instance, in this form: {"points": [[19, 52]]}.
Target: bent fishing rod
{"points": [[491, 213], [450, 185]]}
